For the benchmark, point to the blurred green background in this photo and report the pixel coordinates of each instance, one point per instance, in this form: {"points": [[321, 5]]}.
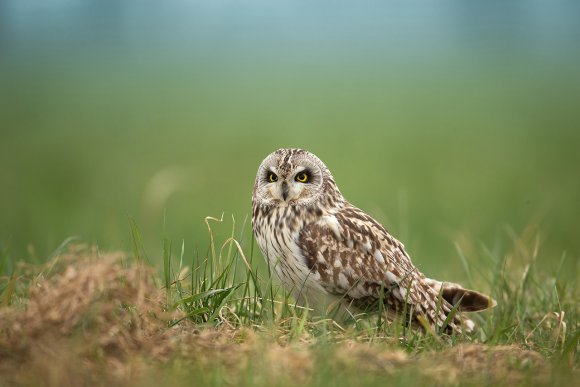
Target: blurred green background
{"points": [[450, 122]]}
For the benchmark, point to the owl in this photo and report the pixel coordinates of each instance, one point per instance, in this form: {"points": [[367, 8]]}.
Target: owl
{"points": [[329, 253]]}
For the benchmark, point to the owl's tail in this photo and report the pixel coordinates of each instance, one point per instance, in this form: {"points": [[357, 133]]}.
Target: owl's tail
{"points": [[463, 300]]}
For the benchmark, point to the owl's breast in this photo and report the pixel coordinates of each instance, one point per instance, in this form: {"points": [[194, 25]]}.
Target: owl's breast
{"points": [[277, 233]]}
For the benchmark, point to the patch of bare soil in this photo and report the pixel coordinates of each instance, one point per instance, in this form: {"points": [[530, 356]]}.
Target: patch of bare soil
{"points": [[101, 320]]}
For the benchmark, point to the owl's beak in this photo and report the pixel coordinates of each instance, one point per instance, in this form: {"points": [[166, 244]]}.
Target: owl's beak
{"points": [[285, 190]]}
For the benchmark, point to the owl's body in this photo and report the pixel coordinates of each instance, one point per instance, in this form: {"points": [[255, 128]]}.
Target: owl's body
{"points": [[328, 252]]}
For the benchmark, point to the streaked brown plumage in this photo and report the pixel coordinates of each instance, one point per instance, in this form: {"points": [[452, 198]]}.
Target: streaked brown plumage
{"points": [[327, 251]]}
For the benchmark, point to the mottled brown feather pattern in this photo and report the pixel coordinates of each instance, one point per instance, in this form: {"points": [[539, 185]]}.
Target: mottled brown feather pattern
{"points": [[322, 247], [352, 270]]}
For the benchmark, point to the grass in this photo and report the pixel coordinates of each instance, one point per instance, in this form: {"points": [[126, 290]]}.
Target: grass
{"points": [[219, 317]]}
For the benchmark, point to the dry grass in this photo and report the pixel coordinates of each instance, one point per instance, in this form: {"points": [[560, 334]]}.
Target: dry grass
{"points": [[96, 314], [93, 318]]}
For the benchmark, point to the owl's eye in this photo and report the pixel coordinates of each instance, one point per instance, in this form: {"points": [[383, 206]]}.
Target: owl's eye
{"points": [[302, 177], [272, 178]]}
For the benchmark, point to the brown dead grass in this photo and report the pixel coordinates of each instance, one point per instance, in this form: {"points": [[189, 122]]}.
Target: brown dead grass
{"points": [[101, 320], [97, 314]]}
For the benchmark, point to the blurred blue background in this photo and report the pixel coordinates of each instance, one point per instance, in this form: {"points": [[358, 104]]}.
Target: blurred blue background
{"points": [[452, 122]]}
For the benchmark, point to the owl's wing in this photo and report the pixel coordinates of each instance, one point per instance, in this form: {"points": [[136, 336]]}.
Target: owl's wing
{"points": [[355, 257]]}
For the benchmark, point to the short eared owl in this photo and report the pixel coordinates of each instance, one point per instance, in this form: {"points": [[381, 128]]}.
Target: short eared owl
{"points": [[328, 252]]}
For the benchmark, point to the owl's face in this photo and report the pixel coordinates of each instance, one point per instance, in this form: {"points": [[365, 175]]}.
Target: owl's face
{"points": [[290, 177]]}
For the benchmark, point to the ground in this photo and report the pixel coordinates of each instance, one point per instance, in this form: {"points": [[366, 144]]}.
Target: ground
{"points": [[88, 317]]}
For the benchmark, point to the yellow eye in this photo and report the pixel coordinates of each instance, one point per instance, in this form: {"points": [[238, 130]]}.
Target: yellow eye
{"points": [[302, 177], [272, 177]]}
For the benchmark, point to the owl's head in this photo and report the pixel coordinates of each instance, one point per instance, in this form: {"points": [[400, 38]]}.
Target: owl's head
{"points": [[293, 177]]}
